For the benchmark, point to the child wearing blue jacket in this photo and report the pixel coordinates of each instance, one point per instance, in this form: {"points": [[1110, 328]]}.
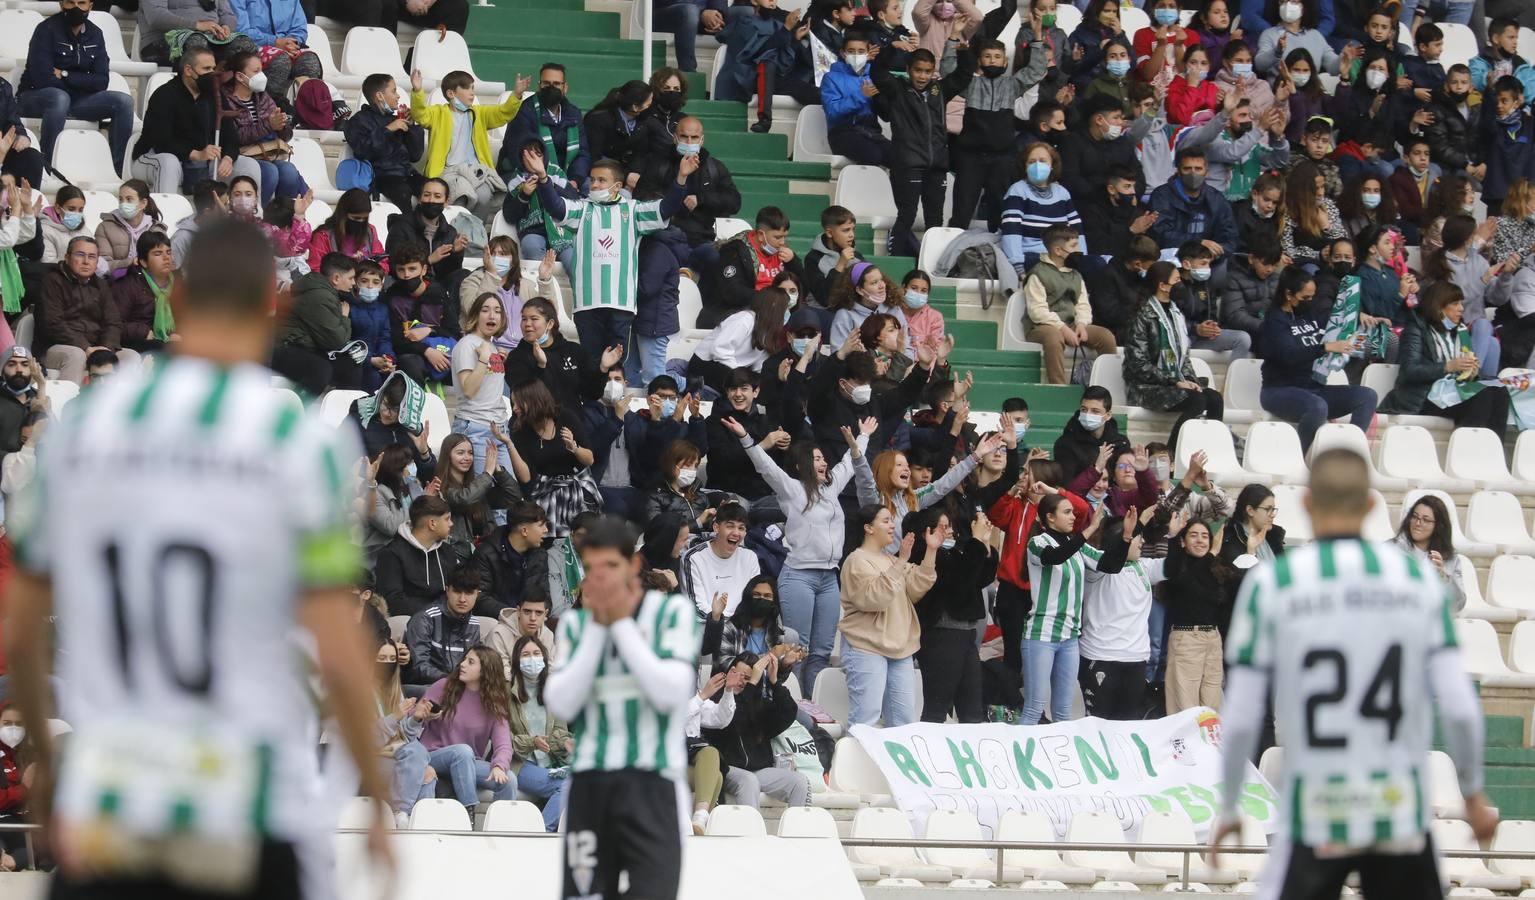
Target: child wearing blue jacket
{"points": [[370, 324], [846, 89]]}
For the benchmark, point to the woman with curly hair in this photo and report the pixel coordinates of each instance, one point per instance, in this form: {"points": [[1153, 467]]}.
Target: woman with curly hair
{"points": [[469, 713]]}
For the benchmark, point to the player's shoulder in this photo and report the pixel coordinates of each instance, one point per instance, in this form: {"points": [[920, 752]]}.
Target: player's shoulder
{"points": [[666, 610]]}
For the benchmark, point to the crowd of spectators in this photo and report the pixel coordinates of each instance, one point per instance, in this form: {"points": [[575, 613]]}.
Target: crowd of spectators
{"points": [[1256, 191]]}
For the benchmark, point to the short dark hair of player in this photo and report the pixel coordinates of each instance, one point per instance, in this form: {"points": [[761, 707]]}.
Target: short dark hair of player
{"points": [[100, 357], [610, 533], [333, 264], [730, 512], [465, 580], [228, 270], [1340, 484], [771, 218], [425, 507]]}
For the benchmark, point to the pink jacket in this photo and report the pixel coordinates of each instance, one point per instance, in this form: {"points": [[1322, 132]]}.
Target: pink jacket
{"points": [[321, 244], [294, 240], [924, 325]]}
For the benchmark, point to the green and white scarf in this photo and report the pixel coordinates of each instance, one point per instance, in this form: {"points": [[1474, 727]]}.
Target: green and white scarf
{"points": [[1452, 390], [1172, 339], [1342, 325], [412, 405], [165, 322], [12, 289]]}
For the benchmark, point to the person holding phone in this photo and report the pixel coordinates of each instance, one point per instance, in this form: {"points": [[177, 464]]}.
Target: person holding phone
{"points": [[469, 711]]}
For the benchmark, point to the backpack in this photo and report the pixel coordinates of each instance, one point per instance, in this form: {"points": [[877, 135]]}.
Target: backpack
{"points": [[979, 263], [354, 173]]}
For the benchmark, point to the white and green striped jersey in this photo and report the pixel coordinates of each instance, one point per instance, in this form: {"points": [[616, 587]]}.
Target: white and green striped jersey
{"points": [[179, 514], [1057, 613], [1345, 630], [607, 265], [618, 728]]}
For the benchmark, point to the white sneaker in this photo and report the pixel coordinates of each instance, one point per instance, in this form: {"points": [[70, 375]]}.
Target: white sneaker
{"points": [[700, 820]]}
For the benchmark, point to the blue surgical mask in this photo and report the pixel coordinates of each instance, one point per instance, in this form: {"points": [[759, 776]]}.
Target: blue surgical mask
{"points": [[502, 264], [1242, 70], [1119, 68], [460, 105], [1370, 200], [800, 345], [786, 316], [1449, 324], [688, 149], [1200, 274], [1165, 16], [1019, 430], [948, 544], [669, 407], [1039, 172], [72, 220], [1090, 421], [368, 294], [916, 299]]}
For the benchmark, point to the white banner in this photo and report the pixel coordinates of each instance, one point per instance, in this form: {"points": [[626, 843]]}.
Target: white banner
{"points": [[1126, 769]]}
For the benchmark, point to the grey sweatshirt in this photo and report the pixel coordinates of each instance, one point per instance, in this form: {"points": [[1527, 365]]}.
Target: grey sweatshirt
{"points": [[814, 534]]}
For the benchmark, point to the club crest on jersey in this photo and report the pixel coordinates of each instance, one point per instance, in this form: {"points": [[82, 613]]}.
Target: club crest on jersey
{"points": [[730, 271]]}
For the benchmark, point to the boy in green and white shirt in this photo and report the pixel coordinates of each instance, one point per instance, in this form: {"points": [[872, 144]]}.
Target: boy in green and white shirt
{"points": [[608, 228]]}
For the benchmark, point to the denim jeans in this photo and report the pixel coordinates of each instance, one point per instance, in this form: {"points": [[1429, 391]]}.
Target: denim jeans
{"points": [[480, 438], [1156, 625], [54, 105], [646, 359], [878, 685], [534, 246], [535, 781], [280, 179], [1455, 12], [681, 20], [1052, 666], [457, 766], [1310, 407], [410, 762], [1486, 347], [811, 601]]}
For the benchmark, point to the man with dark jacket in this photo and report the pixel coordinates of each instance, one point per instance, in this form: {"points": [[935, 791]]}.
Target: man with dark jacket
{"points": [[712, 193], [439, 635], [24, 395], [510, 563], [1113, 218], [76, 314], [985, 150], [319, 324], [1249, 291], [552, 118], [919, 141], [387, 140], [1411, 182], [66, 78], [413, 569], [730, 469], [1454, 124], [1187, 210], [1100, 143], [1114, 291], [1507, 142], [182, 142], [428, 226], [746, 265], [841, 394], [1087, 431], [763, 710]]}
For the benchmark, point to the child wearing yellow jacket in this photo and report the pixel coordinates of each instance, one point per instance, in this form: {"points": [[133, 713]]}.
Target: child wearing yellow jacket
{"points": [[466, 165]]}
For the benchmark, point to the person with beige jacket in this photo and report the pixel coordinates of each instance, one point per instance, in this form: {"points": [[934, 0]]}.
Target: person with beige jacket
{"points": [[880, 632]]}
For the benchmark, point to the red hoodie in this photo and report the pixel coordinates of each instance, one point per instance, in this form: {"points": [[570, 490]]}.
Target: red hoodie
{"points": [[1015, 517], [13, 794]]}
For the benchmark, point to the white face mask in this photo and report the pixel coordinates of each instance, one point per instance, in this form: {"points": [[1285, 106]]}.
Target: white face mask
{"points": [[1113, 132], [1289, 12], [531, 666], [613, 393], [861, 394], [1374, 79], [1301, 79], [856, 61], [597, 195], [685, 477], [12, 735], [257, 82]]}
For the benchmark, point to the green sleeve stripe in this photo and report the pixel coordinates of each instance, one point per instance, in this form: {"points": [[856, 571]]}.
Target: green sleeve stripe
{"points": [[1371, 558], [1337, 829], [1091, 552], [1248, 650], [1447, 618], [332, 471], [1413, 569], [328, 558], [287, 417], [1281, 572]]}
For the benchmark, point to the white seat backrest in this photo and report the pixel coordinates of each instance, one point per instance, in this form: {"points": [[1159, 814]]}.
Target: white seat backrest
{"points": [[1202, 369], [1032, 828], [317, 213], [358, 812], [1214, 438], [1109, 373], [1273, 448], [1476, 453], [1508, 582], [1132, 20], [370, 50], [1407, 451], [309, 159], [1271, 764], [934, 242], [1172, 827], [865, 190], [112, 35], [954, 825], [853, 771], [319, 42], [1336, 434], [831, 693], [378, 217], [807, 821], [84, 157], [1496, 517], [810, 133], [714, 69], [1380, 377], [16, 27], [726, 228], [883, 822], [1068, 17], [1524, 456], [436, 416], [1378, 525], [1291, 514], [1479, 647], [689, 303], [437, 56], [1244, 380], [1459, 45], [1096, 828], [439, 815], [60, 393], [1521, 648], [98, 203], [173, 208], [514, 815], [1526, 43]]}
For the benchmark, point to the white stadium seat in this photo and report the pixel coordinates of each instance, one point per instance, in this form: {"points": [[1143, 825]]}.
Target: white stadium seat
{"points": [[16, 27], [1109, 865], [831, 695], [1214, 438], [966, 862], [173, 209], [1108, 372], [1477, 454], [810, 141], [370, 50], [436, 54], [1515, 834], [1271, 763], [1463, 543], [60, 393], [865, 190], [378, 217], [1289, 500], [359, 812], [1459, 45], [736, 821], [309, 158], [1521, 649], [854, 771], [1524, 456], [1029, 827], [1014, 331], [1407, 451], [117, 55], [1176, 828], [319, 42], [1477, 606], [893, 862], [1244, 381], [726, 228], [437, 422], [97, 204], [935, 240], [690, 303], [1495, 517], [1509, 581], [439, 815], [1483, 658], [1467, 871], [1273, 449], [85, 158], [1132, 20], [1378, 525], [1336, 434], [514, 815]]}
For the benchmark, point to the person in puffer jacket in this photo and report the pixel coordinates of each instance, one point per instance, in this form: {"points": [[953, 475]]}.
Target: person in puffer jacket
{"points": [[386, 140], [846, 91], [919, 148], [764, 709], [440, 635], [370, 324], [414, 567]]}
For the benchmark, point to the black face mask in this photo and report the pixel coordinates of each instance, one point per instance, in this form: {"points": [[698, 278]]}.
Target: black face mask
{"points": [[764, 609], [409, 285], [551, 96], [206, 82], [1241, 129], [76, 17], [993, 71], [1456, 97], [355, 228], [1050, 137], [1123, 199], [1342, 269], [670, 101], [429, 210]]}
